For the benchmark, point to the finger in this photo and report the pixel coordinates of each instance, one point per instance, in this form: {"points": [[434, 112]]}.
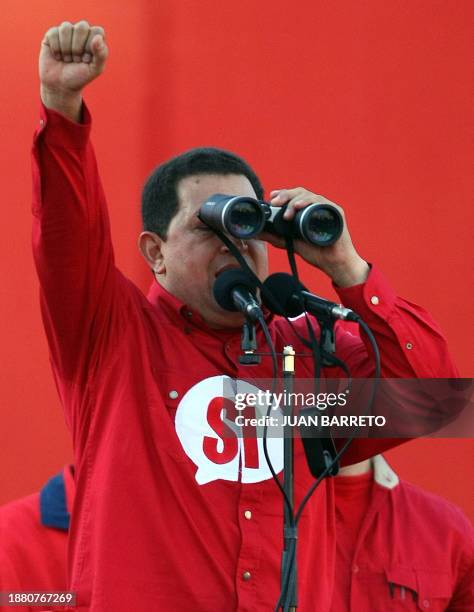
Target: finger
{"points": [[285, 195], [281, 197], [99, 52], [65, 40], [51, 40], [94, 30], [79, 39], [301, 201]]}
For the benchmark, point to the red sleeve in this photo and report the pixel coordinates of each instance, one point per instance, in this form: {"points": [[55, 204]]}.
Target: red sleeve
{"points": [[71, 243], [411, 344]]}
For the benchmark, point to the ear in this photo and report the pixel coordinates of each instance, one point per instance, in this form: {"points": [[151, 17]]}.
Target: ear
{"points": [[150, 246]]}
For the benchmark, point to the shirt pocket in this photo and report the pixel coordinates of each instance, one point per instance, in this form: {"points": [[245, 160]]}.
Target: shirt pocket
{"points": [[418, 589], [163, 400], [196, 434]]}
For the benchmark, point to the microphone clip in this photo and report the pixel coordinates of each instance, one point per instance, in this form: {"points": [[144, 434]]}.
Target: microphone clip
{"points": [[248, 344], [327, 342]]}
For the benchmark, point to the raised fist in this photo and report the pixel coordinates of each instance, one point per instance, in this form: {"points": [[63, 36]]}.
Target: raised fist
{"points": [[72, 55]]}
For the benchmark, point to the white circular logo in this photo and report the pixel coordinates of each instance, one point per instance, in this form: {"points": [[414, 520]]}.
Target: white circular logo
{"points": [[221, 450]]}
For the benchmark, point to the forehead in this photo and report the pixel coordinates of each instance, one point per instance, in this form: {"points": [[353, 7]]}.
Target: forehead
{"points": [[194, 190]]}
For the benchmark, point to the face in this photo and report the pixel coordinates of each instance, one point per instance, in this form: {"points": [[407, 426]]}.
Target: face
{"points": [[192, 256]]}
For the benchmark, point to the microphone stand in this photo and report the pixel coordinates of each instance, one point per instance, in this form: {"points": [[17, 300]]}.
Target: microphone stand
{"points": [[319, 454], [290, 529]]}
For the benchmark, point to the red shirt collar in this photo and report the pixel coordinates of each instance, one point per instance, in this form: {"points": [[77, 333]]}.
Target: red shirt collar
{"points": [[179, 312]]}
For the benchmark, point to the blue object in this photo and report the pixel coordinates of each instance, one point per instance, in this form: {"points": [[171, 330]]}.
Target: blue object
{"points": [[53, 508]]}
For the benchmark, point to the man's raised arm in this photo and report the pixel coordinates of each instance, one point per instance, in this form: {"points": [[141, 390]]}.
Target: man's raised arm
{"points": [[71, 237]]}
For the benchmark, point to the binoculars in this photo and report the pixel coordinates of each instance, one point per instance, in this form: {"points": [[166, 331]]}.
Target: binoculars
{"points": [[245, 217]]}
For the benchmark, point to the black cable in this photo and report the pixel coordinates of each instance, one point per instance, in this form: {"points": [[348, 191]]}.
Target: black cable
{"points": [[339, 454], [290, 250], [286, 576], [292, 552], [316, 353], [236, 253], [346, 445], [335, 460], [244, 265]]}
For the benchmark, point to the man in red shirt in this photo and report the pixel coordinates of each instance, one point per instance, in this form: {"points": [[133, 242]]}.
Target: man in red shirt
{"points": [[33, 539], [398, 546], [170, 513]]}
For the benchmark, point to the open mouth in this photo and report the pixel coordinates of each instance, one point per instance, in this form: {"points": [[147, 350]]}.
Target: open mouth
{"points": [[232, 266]]}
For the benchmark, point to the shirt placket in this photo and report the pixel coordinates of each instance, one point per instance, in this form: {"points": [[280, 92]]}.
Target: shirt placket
{"points": [[379, 497], [248, 566]]}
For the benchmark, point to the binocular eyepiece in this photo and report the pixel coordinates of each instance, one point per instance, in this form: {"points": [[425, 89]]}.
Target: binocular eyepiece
{"points": [[245, 217]]}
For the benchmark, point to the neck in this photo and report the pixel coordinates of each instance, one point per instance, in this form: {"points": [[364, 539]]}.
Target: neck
{"points": [[356, 469]]}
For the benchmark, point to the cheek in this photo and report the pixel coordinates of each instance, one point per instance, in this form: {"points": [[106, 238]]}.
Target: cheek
{"points": [[194, 259]]}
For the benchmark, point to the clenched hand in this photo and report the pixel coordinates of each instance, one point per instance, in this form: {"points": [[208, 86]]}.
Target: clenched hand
{"points": [[72, 55]]}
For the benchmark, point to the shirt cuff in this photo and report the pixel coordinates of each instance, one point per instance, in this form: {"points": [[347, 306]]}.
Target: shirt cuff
{"points": [[57, 130], [375, 297]]}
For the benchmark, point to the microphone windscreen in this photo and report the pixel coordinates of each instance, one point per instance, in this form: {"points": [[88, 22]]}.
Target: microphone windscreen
{"points": [[279, 295], [229, 280]]}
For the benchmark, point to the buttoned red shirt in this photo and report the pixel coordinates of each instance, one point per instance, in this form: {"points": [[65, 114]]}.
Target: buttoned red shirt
{"points": [[170, 513], [413, 550]]}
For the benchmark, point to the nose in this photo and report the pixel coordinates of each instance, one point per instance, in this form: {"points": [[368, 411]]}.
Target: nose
{"points": [[242, 245]]}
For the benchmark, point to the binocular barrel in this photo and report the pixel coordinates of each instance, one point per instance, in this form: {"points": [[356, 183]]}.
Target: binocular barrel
{"points": [[239, 216], [245, 217]]}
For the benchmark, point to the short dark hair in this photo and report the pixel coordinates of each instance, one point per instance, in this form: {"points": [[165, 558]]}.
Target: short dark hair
{"points": [[160, 197]]}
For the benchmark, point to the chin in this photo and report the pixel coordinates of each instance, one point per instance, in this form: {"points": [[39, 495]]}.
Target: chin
{"points": [[226, 320]]}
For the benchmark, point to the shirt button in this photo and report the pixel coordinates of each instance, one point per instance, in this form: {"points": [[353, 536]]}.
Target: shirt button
{"points": [[374, 300], [409, 345], [246, 576], [41, 121], [426, 603], [355, 569], [189, 314], [173, 394], [248, 515]]}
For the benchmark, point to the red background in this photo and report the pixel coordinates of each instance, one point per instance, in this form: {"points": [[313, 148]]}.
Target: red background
{"points": [[366, 102]]}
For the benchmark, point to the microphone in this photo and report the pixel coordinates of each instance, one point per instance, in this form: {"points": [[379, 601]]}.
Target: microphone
{"points": [[285, 296], [234, 290]]}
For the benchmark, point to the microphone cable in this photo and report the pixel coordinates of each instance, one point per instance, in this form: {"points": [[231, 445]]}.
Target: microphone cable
{"points": [[317, 362], [339, 454]]}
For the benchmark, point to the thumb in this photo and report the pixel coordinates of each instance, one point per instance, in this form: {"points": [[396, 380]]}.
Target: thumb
{"points": [[45, 49], [99, 51]]}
